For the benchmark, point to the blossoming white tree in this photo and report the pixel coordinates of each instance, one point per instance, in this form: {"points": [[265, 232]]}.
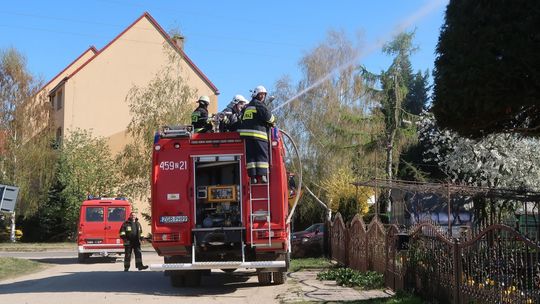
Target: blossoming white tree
{"points": [[497, 160]]}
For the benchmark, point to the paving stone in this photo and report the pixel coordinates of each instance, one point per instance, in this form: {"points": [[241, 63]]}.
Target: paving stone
{"points": [[304, 286]]}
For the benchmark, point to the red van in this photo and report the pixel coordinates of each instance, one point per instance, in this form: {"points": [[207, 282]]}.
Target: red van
{"points": [[99, 225]]}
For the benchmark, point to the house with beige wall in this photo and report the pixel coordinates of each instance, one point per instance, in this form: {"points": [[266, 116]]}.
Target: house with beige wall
{"points": [[90, 93]]}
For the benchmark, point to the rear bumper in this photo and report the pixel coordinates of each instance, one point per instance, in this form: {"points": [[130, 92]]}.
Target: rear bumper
{"points": [[100, 248], [272, 265]]}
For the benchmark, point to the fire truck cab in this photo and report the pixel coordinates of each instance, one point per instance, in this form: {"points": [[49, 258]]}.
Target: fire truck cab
{"points": [[100, 220], [207, 215]]}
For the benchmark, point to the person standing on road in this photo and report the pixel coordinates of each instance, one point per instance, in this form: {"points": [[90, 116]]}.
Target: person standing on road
{"points": [[131, 233]]}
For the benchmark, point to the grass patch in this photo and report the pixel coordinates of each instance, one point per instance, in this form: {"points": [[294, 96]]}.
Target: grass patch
{"points": [[33, 247], [12, 267], [352, 278], [309, 263]]}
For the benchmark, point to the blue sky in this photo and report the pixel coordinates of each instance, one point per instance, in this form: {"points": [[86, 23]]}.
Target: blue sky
{"points": [[237, 44]]}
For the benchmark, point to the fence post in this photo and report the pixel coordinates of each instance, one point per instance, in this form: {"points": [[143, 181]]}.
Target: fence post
{"points": [[457, 272]]}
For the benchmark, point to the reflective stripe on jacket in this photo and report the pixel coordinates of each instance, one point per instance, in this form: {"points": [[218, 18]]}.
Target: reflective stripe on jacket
{"points": [[199, 120], [131, 230], [255, 120]]}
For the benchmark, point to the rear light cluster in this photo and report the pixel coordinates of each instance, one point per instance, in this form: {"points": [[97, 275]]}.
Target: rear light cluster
{"points": [[275, 234], [166, 237]]}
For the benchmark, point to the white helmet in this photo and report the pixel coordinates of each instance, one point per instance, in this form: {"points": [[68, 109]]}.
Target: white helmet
{"points": [[239, 99], [205, 99], [257, 90]]}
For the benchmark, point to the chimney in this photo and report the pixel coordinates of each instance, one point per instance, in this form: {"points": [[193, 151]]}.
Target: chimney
{"points": [[178, 40]]}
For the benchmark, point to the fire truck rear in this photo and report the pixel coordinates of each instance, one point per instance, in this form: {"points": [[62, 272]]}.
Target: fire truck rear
{"points": [[207, 215]]}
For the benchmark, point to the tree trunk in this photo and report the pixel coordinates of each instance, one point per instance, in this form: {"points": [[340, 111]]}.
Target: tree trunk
{"points": [[391, 134]]}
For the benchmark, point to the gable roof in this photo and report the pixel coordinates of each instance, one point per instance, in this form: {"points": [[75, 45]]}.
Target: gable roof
{"points": [[167, 38], [90, 49]]}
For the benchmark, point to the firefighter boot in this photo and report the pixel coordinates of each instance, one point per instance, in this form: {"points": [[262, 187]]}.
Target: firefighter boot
{"points": [[264, 180], [253, 180], [143, 267]]}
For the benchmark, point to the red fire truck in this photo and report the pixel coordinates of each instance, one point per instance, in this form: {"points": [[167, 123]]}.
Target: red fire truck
{"points": [[207, 215]]}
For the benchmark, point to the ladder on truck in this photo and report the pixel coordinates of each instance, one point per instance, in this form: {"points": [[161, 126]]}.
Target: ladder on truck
{"points": [[261, 193], [259, 198]]}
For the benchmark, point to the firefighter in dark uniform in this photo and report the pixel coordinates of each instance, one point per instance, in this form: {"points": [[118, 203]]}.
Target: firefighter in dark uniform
{"points": [[232, 114], [256, 119], [199, 117], [131, 233]]}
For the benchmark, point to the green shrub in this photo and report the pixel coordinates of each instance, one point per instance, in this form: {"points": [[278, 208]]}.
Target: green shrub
{"points": [[349, 277]]}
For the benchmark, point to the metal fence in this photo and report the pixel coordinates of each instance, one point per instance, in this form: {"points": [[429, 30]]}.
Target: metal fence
{"points": [[495, 263]]}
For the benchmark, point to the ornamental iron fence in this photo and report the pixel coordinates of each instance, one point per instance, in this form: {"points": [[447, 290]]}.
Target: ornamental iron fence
{"points": [[494, 263]]}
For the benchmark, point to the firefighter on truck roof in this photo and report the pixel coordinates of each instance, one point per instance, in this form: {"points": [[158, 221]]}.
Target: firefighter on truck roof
{"points": [[256, 119], [232, 114], [131, 233], [199, 117]]}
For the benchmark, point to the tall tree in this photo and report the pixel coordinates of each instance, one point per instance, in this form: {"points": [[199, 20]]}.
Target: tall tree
{"points": [[417, 98], [86, 167], [165, 100], [394, 84], [329, 119], [487, 70], [27, 157]]}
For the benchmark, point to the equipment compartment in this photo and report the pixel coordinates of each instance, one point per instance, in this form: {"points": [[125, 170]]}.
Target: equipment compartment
{"points": [[218, 199]]}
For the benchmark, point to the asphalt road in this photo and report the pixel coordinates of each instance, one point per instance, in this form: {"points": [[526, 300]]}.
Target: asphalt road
{"points": [[103, 281]]}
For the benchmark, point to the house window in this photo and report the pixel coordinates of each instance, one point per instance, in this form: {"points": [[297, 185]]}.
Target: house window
{"points": [[59, 99], [51, 99], [59, 136]]}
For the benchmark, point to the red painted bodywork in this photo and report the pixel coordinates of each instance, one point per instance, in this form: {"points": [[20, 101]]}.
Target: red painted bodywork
{"points": [[102, 233], [181, 181]]}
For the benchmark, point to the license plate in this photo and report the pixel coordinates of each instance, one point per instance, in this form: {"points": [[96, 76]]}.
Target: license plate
{"points": [[172, 219]]}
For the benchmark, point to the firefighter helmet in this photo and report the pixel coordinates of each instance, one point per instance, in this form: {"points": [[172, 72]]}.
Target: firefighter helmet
{"points": [[239, 99], [257, 90], [204, 99]]}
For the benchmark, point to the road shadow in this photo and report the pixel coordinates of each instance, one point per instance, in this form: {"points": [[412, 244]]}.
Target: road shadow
{"points": [[138, 282], [74, 260]]}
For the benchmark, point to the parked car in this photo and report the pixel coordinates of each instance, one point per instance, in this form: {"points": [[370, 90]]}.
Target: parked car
{"points": [[309, 242]]}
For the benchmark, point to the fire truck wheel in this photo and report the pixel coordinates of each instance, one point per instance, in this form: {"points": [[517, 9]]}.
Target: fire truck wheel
{"points": [[82, 257], [280, 277], [265, 278], [193, 278], [229, 270], [177, 280]]}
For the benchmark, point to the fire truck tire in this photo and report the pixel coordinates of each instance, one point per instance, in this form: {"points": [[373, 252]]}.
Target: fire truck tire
{"points": [[279, 277], [193, 278], [82, 257], [265, 278], [229, 270], [177, 280]]}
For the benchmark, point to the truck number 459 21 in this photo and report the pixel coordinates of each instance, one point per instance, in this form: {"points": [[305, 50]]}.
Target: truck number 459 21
{"points": [[172, 165]]}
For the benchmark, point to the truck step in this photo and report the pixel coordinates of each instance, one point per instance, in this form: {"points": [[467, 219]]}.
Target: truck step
{"points": [[217, 265]]}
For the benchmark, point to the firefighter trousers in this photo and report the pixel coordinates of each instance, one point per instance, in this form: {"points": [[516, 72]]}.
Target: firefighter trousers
{"points": [[256, 157], [136, 248]]}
